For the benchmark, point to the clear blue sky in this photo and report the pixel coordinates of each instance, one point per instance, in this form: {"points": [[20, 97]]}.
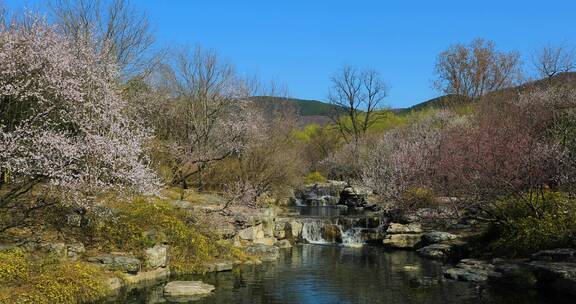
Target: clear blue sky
{"points": [[304, 42]]}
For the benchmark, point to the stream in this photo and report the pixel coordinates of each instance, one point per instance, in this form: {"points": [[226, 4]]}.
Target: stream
{"points": [[345, 269]]}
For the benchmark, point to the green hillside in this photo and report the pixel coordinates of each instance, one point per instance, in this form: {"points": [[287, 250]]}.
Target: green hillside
{"points": [[302, 106]]}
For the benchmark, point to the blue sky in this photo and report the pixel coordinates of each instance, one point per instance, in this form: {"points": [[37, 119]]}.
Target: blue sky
{"points": [[304, 42]]}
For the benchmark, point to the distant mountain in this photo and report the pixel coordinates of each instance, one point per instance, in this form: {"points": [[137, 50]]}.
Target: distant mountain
{"points": [[309, 111], [449, 101]]}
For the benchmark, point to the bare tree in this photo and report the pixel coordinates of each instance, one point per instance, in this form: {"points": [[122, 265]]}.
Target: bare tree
{"points": [[206, 117], [357, 95], [119, 32], [552, 60], [475, 69]]}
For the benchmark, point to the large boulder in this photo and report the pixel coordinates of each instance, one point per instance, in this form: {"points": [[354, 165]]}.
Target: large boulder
{"points": [[556, 276], [117, 262], [183, 291], [435, 237], [157, 256], [512, 274], [328, 188], [55, 249], [295, 229], [401, 241], [331, 233], [280, 229], [251, 233], [354, 196], [402, 236]]}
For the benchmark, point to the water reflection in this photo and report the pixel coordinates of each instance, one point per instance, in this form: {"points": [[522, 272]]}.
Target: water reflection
{"points": [[335, 274]]}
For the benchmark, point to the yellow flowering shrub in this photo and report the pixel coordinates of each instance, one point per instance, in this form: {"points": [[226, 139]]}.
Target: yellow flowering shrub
{"points": [[144, 222], [27, 279], [315, 177]]}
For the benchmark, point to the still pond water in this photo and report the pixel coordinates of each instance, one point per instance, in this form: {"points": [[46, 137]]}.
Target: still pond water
{"points": [[323, 274]]}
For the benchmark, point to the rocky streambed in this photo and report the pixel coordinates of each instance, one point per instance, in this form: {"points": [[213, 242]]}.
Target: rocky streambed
{"points": [[335, 245]]}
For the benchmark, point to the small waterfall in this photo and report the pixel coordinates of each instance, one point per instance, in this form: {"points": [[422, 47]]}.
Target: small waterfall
{"points": [[312, 232], [316, 231], [352, 237], [298, 202]]}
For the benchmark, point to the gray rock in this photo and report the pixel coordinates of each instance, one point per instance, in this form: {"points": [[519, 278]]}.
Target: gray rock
{"points": [[117, 262], [157, 256], [184, 291], [401, 241], [224, 266], [74, 251], [396, 228], [511, 274], [219, 266], [147, 278], [280, 230], [354, 196], [435, 237], [266, 253], [251, 233], [225, 232], [114, 285], [328, 188], [555, 255], [557, 276], [435, 251], [295, 229], [470, 270], [55, 249]]}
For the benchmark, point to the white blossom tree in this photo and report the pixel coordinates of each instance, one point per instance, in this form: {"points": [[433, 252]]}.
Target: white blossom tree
{"points": [[63, 125]]}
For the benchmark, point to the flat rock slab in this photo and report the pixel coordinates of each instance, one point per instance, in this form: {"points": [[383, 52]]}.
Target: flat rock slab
{"points": [[182, 291], [435, 251], [435, 237], [401, 241], [471, 270], [219, 266], [117, 262], [396, 228]]}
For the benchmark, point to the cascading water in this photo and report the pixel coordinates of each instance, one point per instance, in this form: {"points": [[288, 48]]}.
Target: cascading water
{"points": [[318, 231], [312, 232], [352, 237]]}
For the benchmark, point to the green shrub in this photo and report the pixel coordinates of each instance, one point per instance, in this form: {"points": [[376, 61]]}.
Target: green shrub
{"points": [[28, 279], [417, 197], [528, 224], [315, 177]]}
